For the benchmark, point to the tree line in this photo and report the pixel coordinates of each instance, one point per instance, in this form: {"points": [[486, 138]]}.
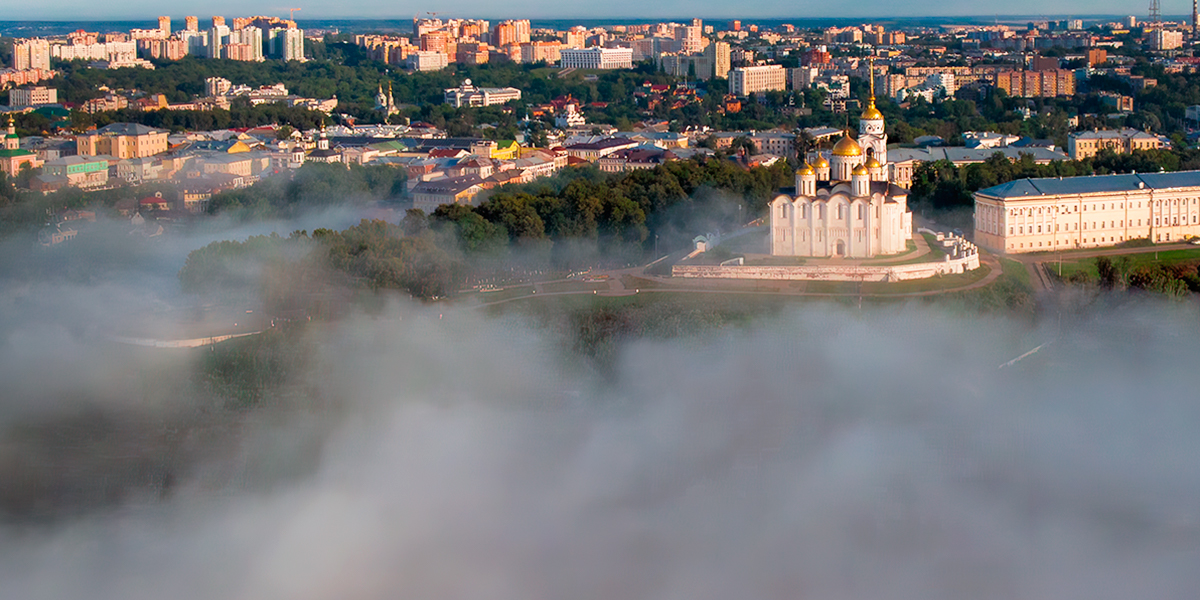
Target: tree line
{"points": [[941, 185]]}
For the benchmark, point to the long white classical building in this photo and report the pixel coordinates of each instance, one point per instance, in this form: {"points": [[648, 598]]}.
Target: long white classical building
{"points": [[844, 205], [1039, 215]]}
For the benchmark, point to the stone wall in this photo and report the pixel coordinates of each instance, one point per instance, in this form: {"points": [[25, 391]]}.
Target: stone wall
{"points": [[967, 261]]}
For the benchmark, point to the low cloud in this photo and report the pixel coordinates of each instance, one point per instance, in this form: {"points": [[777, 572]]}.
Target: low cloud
{"points": [[822, 452]]}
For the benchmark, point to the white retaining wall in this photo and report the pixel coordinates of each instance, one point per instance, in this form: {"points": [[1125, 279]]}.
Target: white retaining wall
{"points": [[832, 272]]}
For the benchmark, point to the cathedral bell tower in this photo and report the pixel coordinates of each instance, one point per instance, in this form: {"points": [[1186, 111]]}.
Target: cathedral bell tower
{"points": [[871, 134]]}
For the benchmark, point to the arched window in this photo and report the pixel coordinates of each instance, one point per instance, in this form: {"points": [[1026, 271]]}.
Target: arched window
{"points": [[840, 215], [803, 212], [860, 212]]}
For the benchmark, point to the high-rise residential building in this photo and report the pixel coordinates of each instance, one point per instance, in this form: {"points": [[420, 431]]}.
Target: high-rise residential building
{"points": [[191, 24], [31, 53], [689, 38], [596, 58], [575, 37], [712, 62], [218, 21], [1165, 39], [1037, 84], [249, 42], [744, 81], [288, 44], [218, 36], [511, 32], [434, 41], [548, 52], [735, 25], [818, 55]]}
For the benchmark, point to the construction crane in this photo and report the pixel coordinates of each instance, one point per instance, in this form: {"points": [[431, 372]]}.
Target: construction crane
{"points": [[292, 14], [432, 15]]}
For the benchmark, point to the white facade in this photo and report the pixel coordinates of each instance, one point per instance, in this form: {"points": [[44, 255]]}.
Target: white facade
{"points": [[744, 81], [426, 60], [35, 96], [469, 95], [844, 205], [291, 44], [1040, 215], [31, 54], [596, 58]]}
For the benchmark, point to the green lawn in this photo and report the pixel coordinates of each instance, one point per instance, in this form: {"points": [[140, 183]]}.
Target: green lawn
{"points": [[1087, 266], [574, 286], [1016, 271], [504, 294]]}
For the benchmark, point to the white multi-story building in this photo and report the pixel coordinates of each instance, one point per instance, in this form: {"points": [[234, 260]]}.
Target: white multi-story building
{"points": [[287, 44], [744, 81], [218, 36], [31, 54], [469, 95], [217, 86], [117, 52], [1039, 215], [1165, 39], [34, 96], [428, 60], [596, 58]]}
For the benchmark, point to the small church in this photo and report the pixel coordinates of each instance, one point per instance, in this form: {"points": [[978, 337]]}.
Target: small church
{"points": [[844, 204]]}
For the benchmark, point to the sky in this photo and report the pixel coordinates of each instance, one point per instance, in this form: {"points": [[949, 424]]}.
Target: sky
{"points": [[553, 9]]}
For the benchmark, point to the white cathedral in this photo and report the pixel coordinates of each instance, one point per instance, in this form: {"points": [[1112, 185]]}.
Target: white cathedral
{"points": [[845, 204]]}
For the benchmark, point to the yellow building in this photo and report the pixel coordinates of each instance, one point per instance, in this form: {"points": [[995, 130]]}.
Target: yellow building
{"points": [[506, 150], [1040, 215], [123, 140], [1086, 144]]}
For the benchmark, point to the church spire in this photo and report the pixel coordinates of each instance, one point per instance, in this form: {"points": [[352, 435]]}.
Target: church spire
{"points": [[871, 113]]}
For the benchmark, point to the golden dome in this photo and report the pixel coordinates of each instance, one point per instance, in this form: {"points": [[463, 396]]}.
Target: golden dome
{"points": [[822, 162], [847, 147], [860, 170], [806, 169], [872, 163], [872, 113]]}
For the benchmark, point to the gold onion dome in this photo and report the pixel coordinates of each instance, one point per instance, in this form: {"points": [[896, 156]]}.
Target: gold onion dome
{"points": [[806, 169], [847, 147], [872, 163], [860, 170], [822, 162], [872, 113]]}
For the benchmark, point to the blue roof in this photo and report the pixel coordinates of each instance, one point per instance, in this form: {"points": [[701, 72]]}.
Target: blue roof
{"points": [[1092, 184]]}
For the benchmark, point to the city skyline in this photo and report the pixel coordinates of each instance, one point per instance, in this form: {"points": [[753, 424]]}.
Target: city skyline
{"points": [[622, 9]]}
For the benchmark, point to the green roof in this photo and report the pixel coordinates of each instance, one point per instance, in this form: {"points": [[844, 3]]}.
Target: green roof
{"points": [[9, 153]]}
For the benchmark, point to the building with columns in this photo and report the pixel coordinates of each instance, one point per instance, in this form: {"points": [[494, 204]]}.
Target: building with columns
{"points": [[1040, 215], [844, 204]]}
